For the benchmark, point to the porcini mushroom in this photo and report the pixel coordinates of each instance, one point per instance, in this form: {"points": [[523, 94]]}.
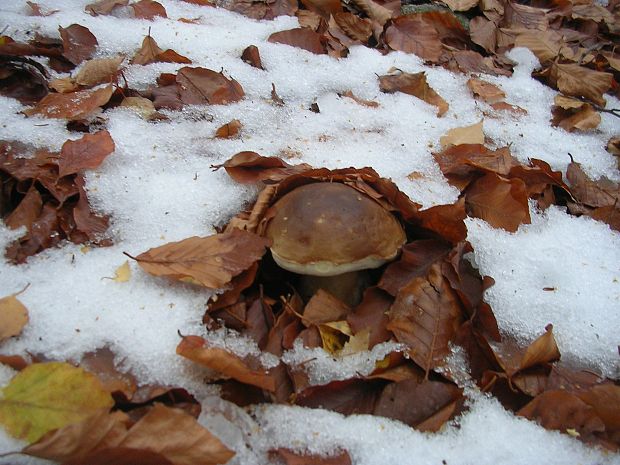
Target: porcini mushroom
{"points": [[327, 232]]}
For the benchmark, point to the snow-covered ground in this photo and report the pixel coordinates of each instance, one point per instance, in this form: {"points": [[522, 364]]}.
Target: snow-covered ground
{"points": [[158, 187]]}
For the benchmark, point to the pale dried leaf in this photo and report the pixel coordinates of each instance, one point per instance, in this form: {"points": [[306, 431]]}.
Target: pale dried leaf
{"points": [[13, 316], [98, 71], [466, 135]]}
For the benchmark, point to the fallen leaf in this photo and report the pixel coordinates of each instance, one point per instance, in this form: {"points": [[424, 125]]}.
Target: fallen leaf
{"points": [[251, 56], [148, 9], [228, 130], [412, 34], [101, 363], [374, 11], [122, 273], [605, 400], [460, 5], [578, 81], [250, 167], [90, 224], [151, 53], [27, 212], [499, 201], [37, 11], [445, 220], [230, 365], [413, 84], [98, 71], [426, 315], [323, 307], [353, 26], [465, 135], [79, 43], [199, 86], [210, 261], [601, 193], [541, 351], [13, 316], [46, 396], [485, 91], [163, 436], [64, 85], [85, 153], [303, 38], [573, 115], [275, 98], [143, 106], [366, 103], [23, 79], [415, 402], [347, 397], [71, 106], [104, 7], [371, 315]]}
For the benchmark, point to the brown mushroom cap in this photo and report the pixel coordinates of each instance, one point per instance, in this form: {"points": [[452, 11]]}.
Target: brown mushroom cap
{"points": [[326, 229]]}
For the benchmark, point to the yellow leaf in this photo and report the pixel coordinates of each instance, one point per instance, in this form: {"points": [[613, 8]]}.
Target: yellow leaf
{"points": [[467, 135], [333, 340], [46, 396], [13, 316], [357, 343], [340, 326], [122, 273]]}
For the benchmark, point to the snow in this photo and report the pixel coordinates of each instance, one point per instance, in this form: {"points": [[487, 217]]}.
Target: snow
{"points": [[158, 187]]}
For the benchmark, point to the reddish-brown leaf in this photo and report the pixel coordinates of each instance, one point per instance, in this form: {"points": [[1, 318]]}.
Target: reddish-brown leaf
{"points": [[416, 402], [251, 56], [485, 91], [71, 106], [412, 34], [85, 153], [563, 411], [578, 81], [37, 11], [42, 235], [151, 53], [101, 363], [348, 397], [446, 221], [366, 103], [148, 9], [415, 261], [247, 371], [413, 84], [371, 315], [301, 37], [203, 86], [605, 400], [324, 307], [210, 261], [353, 26], [499, 201], [250, 167], [601, 193], [292, 458], [426, 316], [228, 130], [78, 42], [86, 221], [27, 211], [104, 7]]}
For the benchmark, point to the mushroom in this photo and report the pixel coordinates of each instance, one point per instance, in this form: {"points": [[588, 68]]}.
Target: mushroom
{"points": [[327, 233]]}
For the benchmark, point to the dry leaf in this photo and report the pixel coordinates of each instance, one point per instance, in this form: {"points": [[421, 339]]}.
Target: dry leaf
{"points": [[426, 315], [210, 261], [85, 153], [122, 273], [64, 85], [485, 91], [466, 135], [78, 42], [220, 360], [199, 86], [98, 71], [573, 115], [460, 5], [229, 130], [143, 106], [578, 81], [104, 7], [412, 34], [499, 201], [413, 84], [148, 9], [292, 458], [46, 396], [374, 11], [251, 56], [366, 103], [301, 37], [71, 106], [13, 316]]}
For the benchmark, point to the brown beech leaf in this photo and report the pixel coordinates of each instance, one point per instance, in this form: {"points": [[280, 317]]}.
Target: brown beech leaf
{"points": [[460, 5], [347, 397], [101, 363], [499, 201], [374, 11], [601, 193], [446, 220], [27, 212], [148, 9], [412, 34], [199, 86], [415, 261], [104, 7], [416, 402], [324, 307], [13, 316], [210, 261], [230, 365], [251, 56], [605, 400], [151, 53], [325, 8], [87, 222], [85, 153], [578, 81], [366, 103], [464, 135], [353, 26], [37, 11], [541, 351], [250, 167], [413, 84], [71, 106], [228, 130], [563, 411], [573, 115], [79, 43], [98, 71], [485, 91], [301, 37], [292, 458], [483, 32], [426, 315], [371, 315], [163, 436]]}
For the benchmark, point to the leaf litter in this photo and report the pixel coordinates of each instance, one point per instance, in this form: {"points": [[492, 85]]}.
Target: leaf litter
{"points": [[493, 186]]}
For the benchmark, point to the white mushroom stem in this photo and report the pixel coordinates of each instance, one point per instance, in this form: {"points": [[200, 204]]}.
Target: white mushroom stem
{"points": [[348, 287]]}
